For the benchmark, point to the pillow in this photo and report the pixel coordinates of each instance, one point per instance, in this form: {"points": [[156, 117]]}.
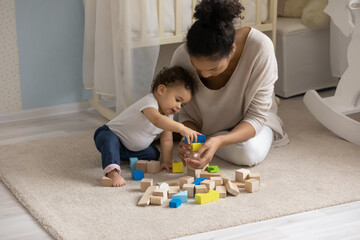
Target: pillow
{"points": [[313, 15], [291, 8]]}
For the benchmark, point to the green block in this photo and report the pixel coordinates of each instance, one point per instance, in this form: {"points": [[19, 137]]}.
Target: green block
{"points": [[213, 169]]}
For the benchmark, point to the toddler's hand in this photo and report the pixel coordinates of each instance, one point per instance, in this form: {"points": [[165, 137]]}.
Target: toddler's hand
{"points": [[189, 134], [167, 166]]}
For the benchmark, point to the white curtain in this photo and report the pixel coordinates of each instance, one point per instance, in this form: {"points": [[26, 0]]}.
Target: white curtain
{"points": [[113, 63]]}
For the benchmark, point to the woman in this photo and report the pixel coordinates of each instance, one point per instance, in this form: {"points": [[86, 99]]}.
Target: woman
{"points": [[235, 103]]}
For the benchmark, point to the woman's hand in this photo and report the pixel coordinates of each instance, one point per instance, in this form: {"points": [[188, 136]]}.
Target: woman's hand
{"points": [[183, 150], [208, 148]]}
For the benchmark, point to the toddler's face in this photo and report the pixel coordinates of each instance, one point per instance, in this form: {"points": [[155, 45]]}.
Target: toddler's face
{"points": [[172, 98]]}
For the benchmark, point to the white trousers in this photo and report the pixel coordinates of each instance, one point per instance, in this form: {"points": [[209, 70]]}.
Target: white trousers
{"points": [[247, 153]]}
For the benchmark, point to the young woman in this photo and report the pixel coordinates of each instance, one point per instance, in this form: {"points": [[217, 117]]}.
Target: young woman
{"points": [[235, 72]]}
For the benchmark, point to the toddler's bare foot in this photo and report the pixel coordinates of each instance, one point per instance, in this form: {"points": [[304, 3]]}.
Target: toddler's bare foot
{"points": [[117, 180]]}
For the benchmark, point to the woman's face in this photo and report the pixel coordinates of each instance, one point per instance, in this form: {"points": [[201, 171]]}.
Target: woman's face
{"points": [[206, 67]]}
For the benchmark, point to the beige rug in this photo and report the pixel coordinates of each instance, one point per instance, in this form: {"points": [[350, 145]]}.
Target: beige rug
{"points": [[57, 180]]}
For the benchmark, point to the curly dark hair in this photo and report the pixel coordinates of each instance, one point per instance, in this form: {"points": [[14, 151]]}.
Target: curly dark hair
{"points": [[172, 76], [213, 33]]}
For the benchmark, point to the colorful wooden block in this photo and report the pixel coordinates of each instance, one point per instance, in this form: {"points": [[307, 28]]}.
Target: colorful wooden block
{"points": [[153, 166], [174, 203], [211, 196], [200, 139], [241, 175], [213, 169], [132, 162], [195, 146], [183, 196], [222, 191], [141, 165], [252, 185], [137, 175], [199, 180], [177, 167], [106, 182], [145, 183], [190, 188]]}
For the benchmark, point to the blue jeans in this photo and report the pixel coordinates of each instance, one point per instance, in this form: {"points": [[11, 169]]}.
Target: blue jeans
{"points": [[112, 150]]}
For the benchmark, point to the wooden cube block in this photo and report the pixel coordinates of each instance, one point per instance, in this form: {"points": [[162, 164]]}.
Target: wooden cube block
{"points": [[145, 183], [218, 180], [161, 192], [177, 167], [232, 188], [255, 176], [241, 174], [145, 199], [201, 189], [185, 179], [195, 172], [209, 184], [153, 166], [252, 185], [190, 187], [211, 196], [239, 184], [222, 191], [106, 182], [141, 165], [156, 200], [173, 190], [225, 180], [205, 174]]}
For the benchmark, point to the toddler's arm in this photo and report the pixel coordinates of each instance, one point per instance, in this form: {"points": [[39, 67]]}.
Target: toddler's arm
{"points": [[166, 145]]}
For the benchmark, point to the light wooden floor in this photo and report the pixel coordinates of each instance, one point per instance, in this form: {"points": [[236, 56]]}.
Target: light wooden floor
{"points": [[338, 222]]}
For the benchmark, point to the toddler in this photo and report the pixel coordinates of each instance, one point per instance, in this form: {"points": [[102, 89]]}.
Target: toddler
{"points": [[132, 132]]}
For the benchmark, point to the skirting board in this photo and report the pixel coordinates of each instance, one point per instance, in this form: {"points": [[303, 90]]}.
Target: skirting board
{"points": [[44, 112]]}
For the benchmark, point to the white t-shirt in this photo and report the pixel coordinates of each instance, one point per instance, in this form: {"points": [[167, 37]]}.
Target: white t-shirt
{"points": [[135, 131]]}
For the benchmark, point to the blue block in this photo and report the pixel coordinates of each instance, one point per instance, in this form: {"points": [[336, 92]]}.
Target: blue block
{"points": [[133, 161], [183, 196], [199, 180], [174, 203], [200, 139], [137, 175]]}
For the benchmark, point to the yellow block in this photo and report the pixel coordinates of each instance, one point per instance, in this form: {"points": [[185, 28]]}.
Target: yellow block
{"points": [[211, 196], [177, 167], [195, 146]]}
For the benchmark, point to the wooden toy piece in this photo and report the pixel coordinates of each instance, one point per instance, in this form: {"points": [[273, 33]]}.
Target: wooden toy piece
{"points": [[239, 184], [137, 175], [242, 174], [200, 139], [156, 200], [195, 146], [211, 196], [153, 166], [255, 176], [145, 183], [218, 180], [173, 190], [177, 167], [209, 184], [106, 182], [222, 191], [232, 189], [133, 161], [161, 192], [201, 189], [195, 172], [199, 180], [190, 187], [145, 199], [185, 179], [183, 196], [213, 169], [141, 165], [172, 182], [252, 185], [164, 186], [205, 174], [175, 203]]}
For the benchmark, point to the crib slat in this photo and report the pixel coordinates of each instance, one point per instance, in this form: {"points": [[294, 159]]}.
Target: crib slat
{"points": [[258, 12], [243, 21], [178, 17], [160, 5], [273, 19]]}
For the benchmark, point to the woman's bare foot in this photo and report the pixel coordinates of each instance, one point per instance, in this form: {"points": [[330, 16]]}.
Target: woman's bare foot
{"points": [[117, 179]]}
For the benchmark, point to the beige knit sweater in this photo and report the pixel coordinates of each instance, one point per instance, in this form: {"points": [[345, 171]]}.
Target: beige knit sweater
{"points": [[247, 96]]}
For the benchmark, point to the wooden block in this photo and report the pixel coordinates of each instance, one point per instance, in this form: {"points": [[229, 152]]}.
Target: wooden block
{"points": [[145, 199], [132, 162], [241, 174], [225, 180], [239, 184], [156, 200], [218, 180], [195, 146], [252, 185], [232, 189], [190, 187], [201, 189], [213, 169], [185, 179], [177, 167], [255, 176], [145, 183], [173, 190], [172, 182], [153, 166], [106, 182], [209, 184], [141, 165], [205, 174], [195, 172], [221, 190], [211, 196], [161, 192]]}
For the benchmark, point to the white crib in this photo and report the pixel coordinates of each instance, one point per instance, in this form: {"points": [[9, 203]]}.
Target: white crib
{"points": [[259, 14]]}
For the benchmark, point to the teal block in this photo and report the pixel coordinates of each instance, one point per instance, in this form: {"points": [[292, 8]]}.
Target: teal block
{"points": [[183, 196], [199, 180], [133, 161], [137, 175]]}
